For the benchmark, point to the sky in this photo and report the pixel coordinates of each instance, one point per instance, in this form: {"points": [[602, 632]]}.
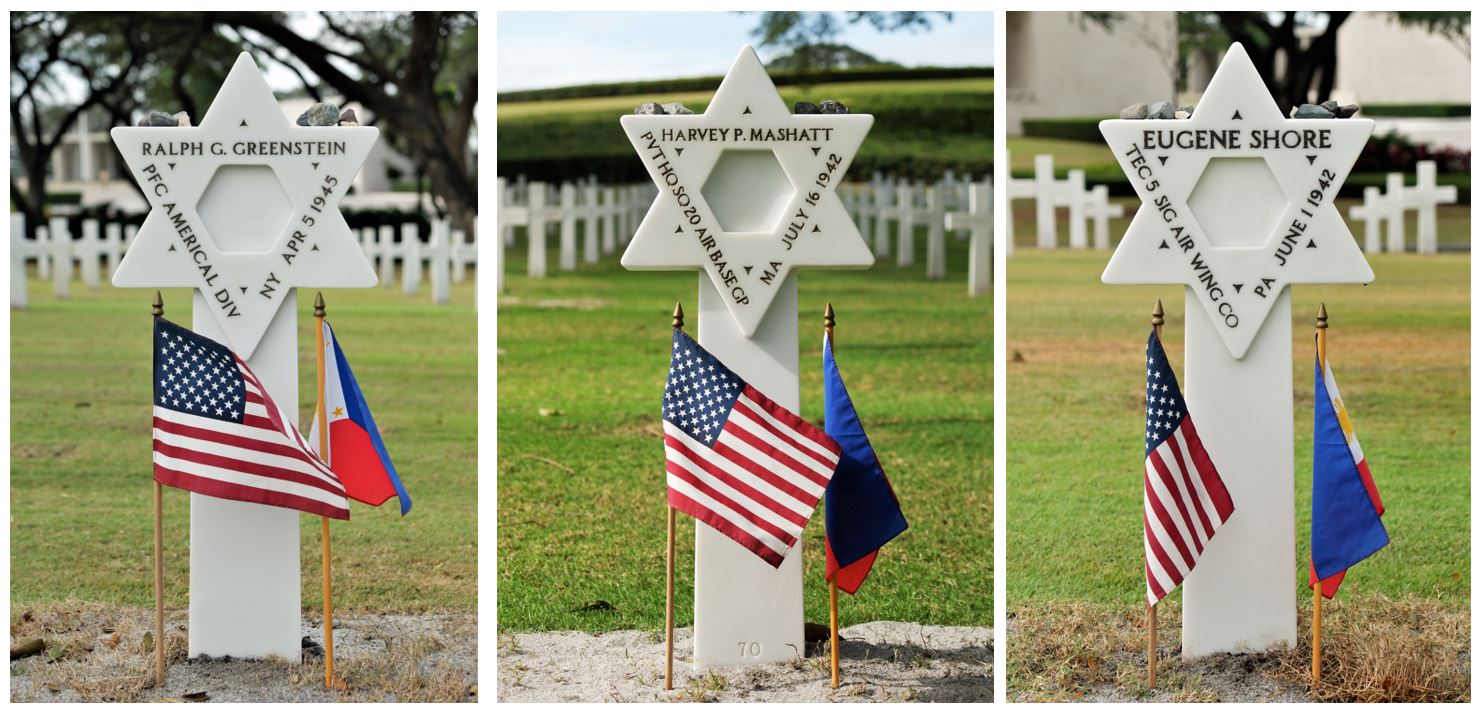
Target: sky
{"points": [[553, 49]]}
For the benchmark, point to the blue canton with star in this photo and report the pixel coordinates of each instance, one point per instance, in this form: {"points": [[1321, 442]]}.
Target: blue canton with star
{"points": [[1165, 404], [196, 375], [700, 390]]}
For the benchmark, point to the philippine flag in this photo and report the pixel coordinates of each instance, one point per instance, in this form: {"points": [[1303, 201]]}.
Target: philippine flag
{"points": [[860, 509], [356, 453], [1346, 509]]}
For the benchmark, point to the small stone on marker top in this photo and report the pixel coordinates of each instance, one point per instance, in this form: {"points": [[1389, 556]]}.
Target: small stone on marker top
{"points": [[1136, 111], [649, 108], [159, 119], [804, 108], [321, 114], [347, 118], [829, 106], [676, 108], [1311, 111]]}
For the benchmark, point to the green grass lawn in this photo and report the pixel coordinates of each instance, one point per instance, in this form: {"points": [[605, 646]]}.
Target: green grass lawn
{"points": [[80, 494], [1400, 349], [1453, 223], [581, 477]]}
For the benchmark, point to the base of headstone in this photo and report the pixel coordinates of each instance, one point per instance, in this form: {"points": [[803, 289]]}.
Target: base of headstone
{"points": [[746, 611], [1242, 596], [244, 558]]}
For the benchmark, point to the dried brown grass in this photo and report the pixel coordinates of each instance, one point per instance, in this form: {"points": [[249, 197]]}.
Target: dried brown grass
{"points": [[1375, 650], [1379, 650]]}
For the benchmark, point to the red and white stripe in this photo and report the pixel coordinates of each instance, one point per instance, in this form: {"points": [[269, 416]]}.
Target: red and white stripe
{"points": [[263, 460], [1184, 502], [759, 482]]}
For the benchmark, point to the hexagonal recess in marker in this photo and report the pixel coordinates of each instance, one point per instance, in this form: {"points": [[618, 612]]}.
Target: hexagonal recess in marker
{"points": [[1225, 177], [245, 127], [747, 190], [1236, 118], [238, 226], [683, 230]]}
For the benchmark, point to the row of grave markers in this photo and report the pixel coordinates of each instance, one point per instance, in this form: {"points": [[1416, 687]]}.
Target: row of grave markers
{"points": [[1386, 209], [447, 255], [1382, 209], [607, 216], [594, 220]]}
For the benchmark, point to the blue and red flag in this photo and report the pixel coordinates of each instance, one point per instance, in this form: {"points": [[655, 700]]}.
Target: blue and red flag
{"points": [[356, 453], [1346, 528], [861, 512]]}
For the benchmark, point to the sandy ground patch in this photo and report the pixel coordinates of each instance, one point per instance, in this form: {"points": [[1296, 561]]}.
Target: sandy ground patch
{"points": [[880, 661], [103, 653]]}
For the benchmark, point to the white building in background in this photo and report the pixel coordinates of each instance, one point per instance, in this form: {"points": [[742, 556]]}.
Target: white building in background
{"points": [[1058, 64], [85, 163], [1382, 62]]}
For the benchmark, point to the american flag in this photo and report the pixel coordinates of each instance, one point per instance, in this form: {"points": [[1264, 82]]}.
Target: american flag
{"points": [[1184, 500], [217, 432], [736, 460]]}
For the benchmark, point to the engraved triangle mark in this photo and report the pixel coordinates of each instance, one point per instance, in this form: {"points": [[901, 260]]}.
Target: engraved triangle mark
{"points": [[242, 288], [315, 164], [679, 151], [1163, 160], [1311, 158], [679, 229], [748, 269], [816, 229], [244, 122], [815, 150], [171, 249], [1237, 115], [1163, 245], [1311, 243], [1238, 286], [747, 110], [314, 247]]}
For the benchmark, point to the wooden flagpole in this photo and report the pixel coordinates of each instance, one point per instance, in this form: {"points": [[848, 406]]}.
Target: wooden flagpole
{"points": [[678, 322], [1322, 360], [1153, 609], [158, 311], [833, 586], [324, 520]]}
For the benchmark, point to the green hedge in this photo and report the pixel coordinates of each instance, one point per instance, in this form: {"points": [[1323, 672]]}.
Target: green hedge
{"points": [[916, 135], [1117, 185], [1076, 129], [1417, 110], [780, 78]]}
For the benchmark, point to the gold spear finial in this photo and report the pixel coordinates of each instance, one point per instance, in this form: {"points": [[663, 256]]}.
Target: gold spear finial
{"points": [[318, 304], [678, 315], [158, 309], [828, 316], [1158, 313], [1322, 316]]}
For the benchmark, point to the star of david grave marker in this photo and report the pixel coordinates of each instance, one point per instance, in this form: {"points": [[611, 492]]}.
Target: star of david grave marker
{"points": [[244, 208], [747, 194], [1237, 205]]}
